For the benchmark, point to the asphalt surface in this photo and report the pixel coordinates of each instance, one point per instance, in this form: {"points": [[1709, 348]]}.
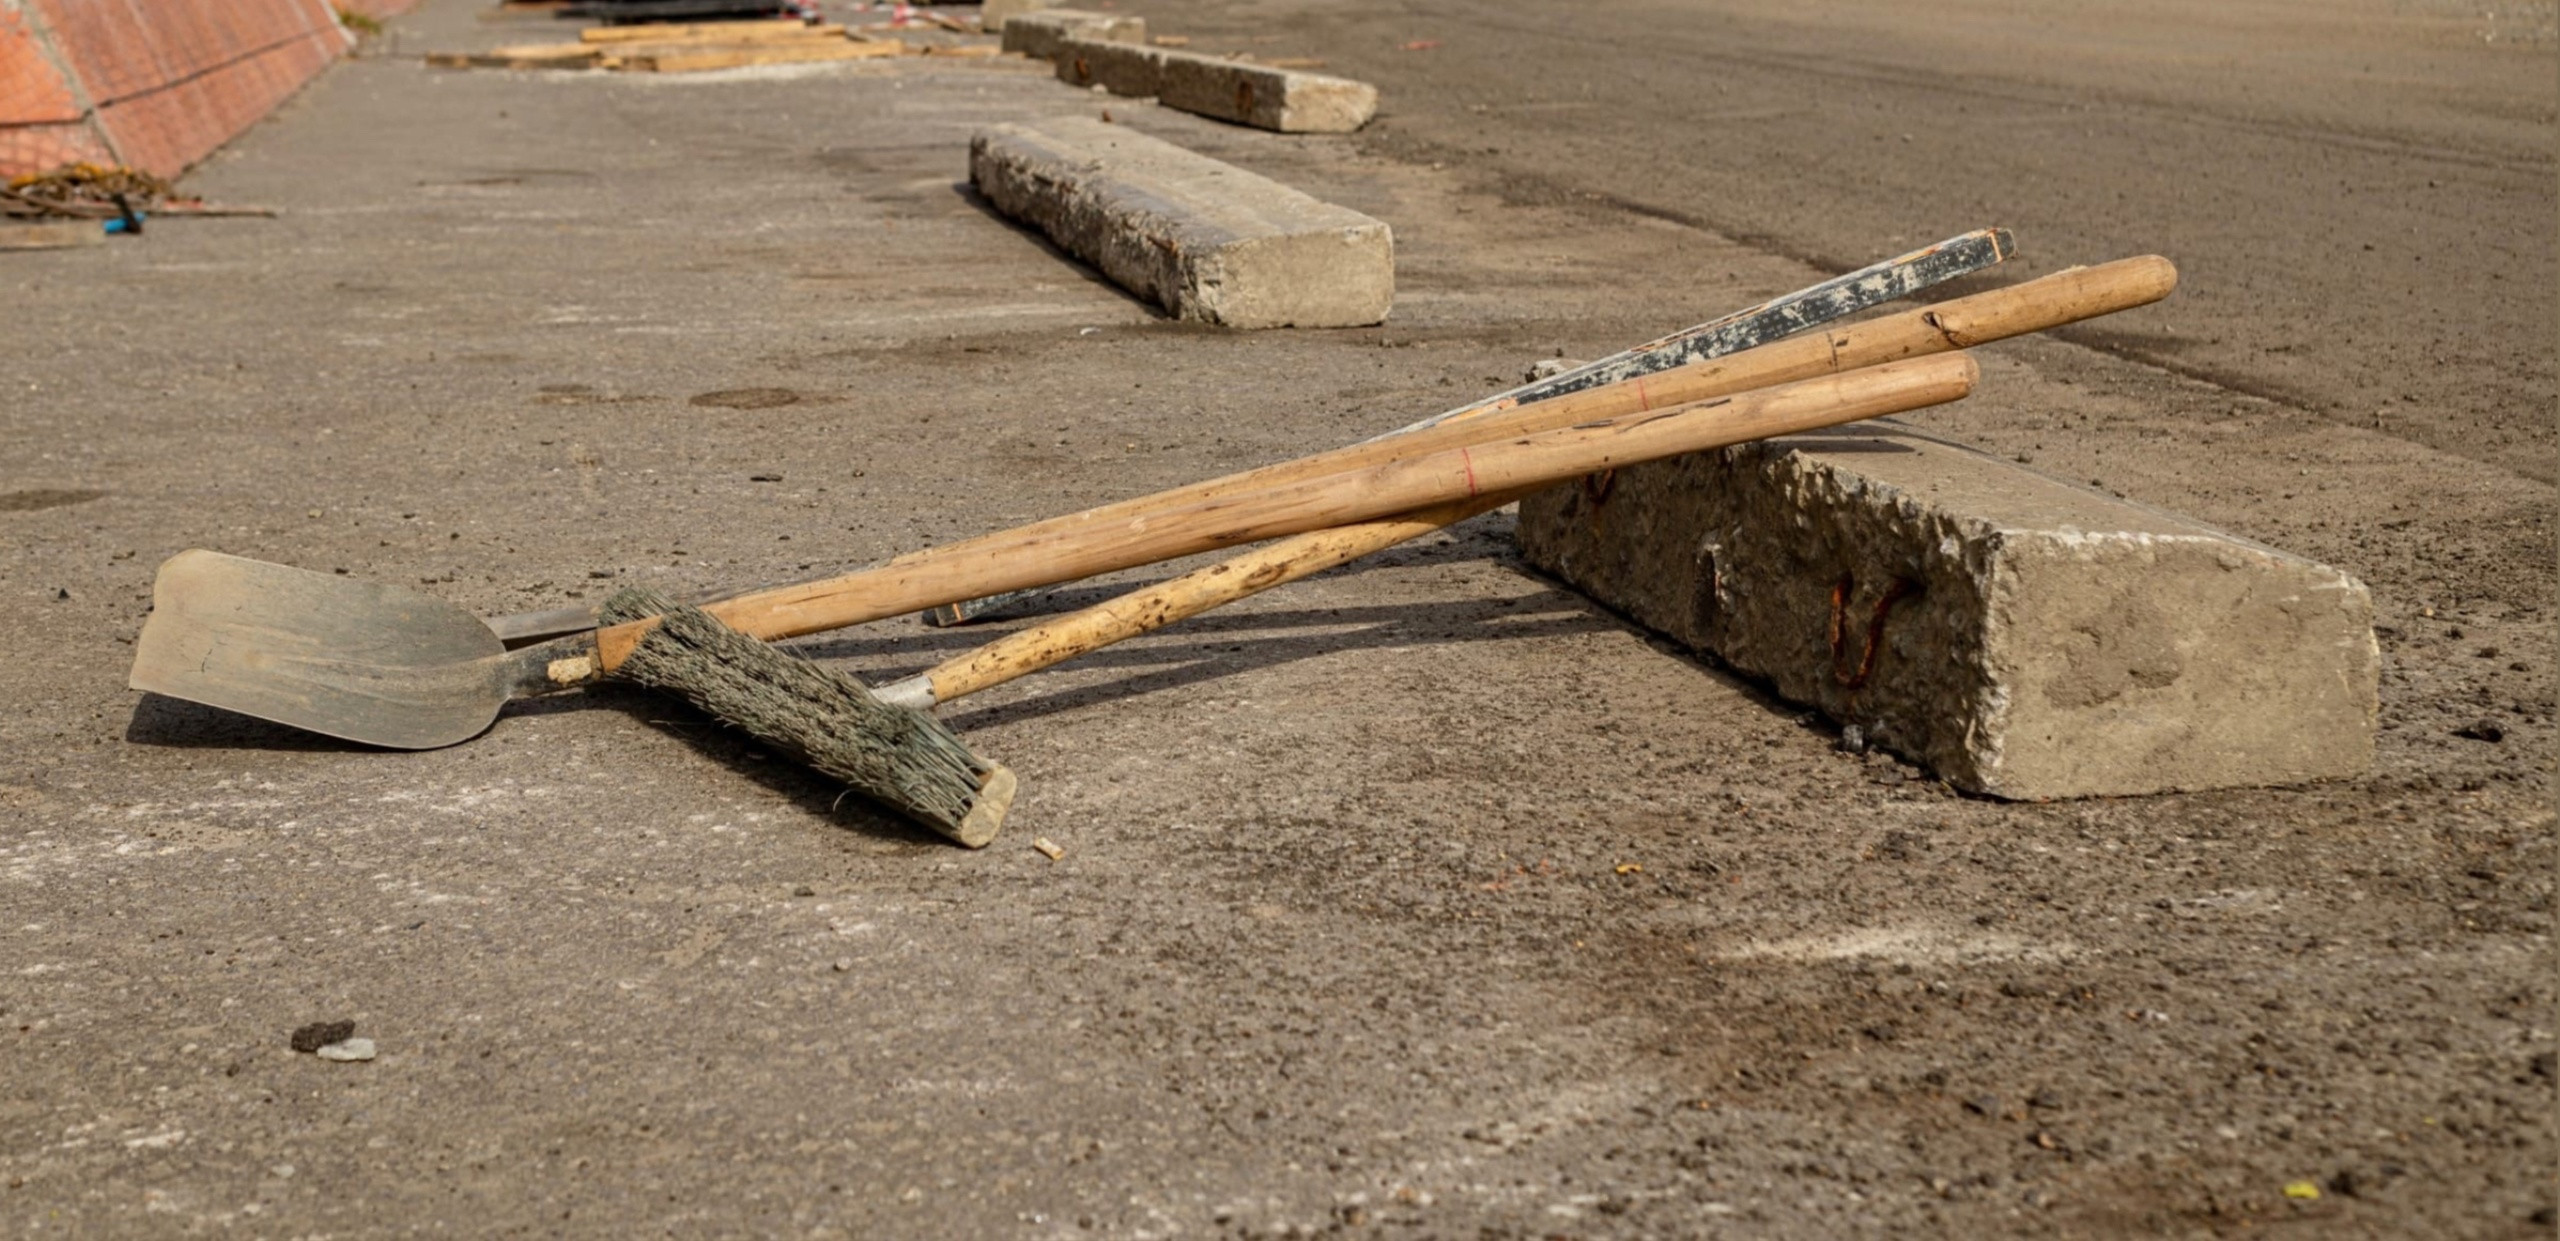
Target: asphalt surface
{"points": [[1420, 899], [2360, 194]]}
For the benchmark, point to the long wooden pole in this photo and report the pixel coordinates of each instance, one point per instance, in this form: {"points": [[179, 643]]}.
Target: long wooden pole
{"points": [[1836, 298], [2064, 297], [1496, 461]]}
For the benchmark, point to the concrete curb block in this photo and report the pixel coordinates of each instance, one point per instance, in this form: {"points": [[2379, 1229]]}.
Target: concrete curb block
{"points": [[1205, 240], [1288, 101], [995, 15], [1132, 69], [2023, 637], [1039, 35]]}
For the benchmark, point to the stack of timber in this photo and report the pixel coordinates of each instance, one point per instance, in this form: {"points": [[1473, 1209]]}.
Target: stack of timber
{"points": [[680, 49]]}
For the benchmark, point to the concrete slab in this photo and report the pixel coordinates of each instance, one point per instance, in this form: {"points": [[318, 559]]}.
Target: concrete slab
{"points": [[1204, 239], [1038, 35], [2024, 637], [1282, 100]]}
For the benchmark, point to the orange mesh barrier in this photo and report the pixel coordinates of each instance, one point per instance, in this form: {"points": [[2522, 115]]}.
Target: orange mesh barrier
{"points": [[42, 120], [154, 84]]}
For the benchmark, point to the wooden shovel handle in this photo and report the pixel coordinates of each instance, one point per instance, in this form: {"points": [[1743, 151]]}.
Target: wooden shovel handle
{"points": [[1053, 551], [2049, 302]]}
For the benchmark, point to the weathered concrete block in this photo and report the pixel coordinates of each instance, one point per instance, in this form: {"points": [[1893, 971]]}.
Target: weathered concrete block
{"points": [[2021, 636], [1286, 100], [1289, 101], [1132, 69], [995, 15], [1038, 35], [1204, 239]]}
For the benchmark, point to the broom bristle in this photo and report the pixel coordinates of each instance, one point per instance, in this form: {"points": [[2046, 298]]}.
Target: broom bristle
{"points": [[898, 756]]}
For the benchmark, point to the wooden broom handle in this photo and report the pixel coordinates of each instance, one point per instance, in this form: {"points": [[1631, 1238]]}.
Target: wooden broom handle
{"points": [[1052, 551], [1150, 608], [2054, 300]]}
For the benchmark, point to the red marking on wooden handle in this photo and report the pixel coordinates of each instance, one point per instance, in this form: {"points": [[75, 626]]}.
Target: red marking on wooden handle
{"points": [[1469, 460], [1644, 400]]}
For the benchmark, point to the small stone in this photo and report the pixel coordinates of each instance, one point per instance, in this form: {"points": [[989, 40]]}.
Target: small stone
{"points": [[1983, 1105], [320, 1034], [844, 965], [2482, 730], [351, 1050], [804, 890]]}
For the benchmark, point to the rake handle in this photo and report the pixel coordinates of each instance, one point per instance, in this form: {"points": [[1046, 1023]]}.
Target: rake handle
{"points": [[1500, 459]]}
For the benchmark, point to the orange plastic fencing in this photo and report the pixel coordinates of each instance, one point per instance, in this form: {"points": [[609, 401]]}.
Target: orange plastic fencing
{"points": [[154, 84], [43, 121]]}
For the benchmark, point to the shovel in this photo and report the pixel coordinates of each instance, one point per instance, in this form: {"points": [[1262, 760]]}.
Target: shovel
{"points": [[388, 666]]}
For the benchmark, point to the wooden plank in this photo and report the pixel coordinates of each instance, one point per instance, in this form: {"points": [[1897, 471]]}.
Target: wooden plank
{"points": [[52, 235], [521, 56], [709, 32], [697, 61]]}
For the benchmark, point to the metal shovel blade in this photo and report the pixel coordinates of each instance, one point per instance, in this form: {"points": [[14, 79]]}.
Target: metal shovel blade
{"points": [[333, 655]]}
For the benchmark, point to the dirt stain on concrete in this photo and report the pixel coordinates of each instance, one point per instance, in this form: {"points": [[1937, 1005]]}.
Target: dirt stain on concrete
{"points": [[583, 394], [746, 398], [39, 498]]}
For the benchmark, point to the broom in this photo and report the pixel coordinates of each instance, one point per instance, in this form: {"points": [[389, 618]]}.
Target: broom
{"points": [[711, 656]]}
